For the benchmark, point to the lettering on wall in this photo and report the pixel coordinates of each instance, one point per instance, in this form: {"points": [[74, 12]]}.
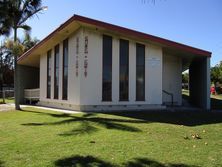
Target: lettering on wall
{"points": [[86, 44], [86, 56], [77, 56], [153, 62], [77, 45]]}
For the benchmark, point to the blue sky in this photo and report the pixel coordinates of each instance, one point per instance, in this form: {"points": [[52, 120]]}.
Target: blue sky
{"points": [[193, 22]]}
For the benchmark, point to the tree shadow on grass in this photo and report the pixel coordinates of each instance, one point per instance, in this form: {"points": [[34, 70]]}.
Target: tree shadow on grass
{"points": [[84, 128], [90, 161], [88, 122], [144, 162], [1, 163], [82, 161], [186, 118]]}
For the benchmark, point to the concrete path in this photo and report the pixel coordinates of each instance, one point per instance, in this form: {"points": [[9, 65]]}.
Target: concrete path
{"points": [[10, 106], [52, 109], [6, 107]]}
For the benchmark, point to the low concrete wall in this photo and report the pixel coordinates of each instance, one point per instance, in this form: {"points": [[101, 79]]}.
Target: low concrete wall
{"points": [[96, 108], [28, 79]]}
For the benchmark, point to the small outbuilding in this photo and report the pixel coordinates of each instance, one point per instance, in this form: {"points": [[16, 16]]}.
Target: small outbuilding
{"points": [[86, 64]]}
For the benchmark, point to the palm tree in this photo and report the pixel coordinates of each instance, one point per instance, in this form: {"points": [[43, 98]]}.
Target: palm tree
{"points": [[20, 47], [16, 13], [5, 21], [7, 52], [28, 42]]}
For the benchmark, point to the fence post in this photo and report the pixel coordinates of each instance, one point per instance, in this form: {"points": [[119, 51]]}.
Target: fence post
{"points": [[3, 95]]}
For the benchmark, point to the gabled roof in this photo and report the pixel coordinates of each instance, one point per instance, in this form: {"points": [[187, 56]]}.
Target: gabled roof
{"points": [[120, 30]]}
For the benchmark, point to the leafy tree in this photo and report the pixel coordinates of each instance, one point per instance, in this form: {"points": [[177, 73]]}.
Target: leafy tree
{"points": [[6, 69], [14, 14], [185, 77], [216, 73], [21, 46], [28, 42], [5, 21], [7, 52]]}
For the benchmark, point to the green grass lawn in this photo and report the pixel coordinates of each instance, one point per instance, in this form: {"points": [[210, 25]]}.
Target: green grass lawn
{"points": [[39, 138], [7, 100]]}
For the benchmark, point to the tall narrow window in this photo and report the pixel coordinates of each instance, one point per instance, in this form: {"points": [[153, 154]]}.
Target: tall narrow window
{"points": [[124, 70], [107, 69], [56, 72], [49, 74], [65, 70], [140, 72]]}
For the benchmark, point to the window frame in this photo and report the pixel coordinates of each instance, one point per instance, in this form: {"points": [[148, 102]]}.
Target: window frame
{"points": [[140, 97], [49, 74], [107, 65], [65, 68], [56, 70], [123, 66]]}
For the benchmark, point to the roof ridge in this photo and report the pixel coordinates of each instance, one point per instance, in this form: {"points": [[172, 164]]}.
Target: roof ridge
{"points": [[124, 30]]}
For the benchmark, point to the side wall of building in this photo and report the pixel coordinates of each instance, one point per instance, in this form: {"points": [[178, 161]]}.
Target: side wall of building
{"points": [[73, 80], [172, 69], [85, 73]]}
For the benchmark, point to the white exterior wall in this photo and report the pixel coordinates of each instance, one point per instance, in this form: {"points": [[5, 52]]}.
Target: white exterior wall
{"points": [[73, 81], [161, 73], [91, 86], [172, 78], [43, 77], [153, 74]]}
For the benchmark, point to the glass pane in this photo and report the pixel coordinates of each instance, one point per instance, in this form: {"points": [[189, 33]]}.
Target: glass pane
{"points": [[140, 72], [49, 72], [124, 52], [107, 50], [107, 73], [57, 60], [65, 70], [65, 52], [107, 68], [107, 89], [140, 54], [140, 83], [48, 95], [124, 70], [56, 72]]}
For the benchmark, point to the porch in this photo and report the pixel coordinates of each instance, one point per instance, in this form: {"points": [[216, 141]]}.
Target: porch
{"points": [[28, 83]]}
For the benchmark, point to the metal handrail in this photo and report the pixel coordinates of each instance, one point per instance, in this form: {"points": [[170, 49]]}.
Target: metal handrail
{"points": [[170, 94]]}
